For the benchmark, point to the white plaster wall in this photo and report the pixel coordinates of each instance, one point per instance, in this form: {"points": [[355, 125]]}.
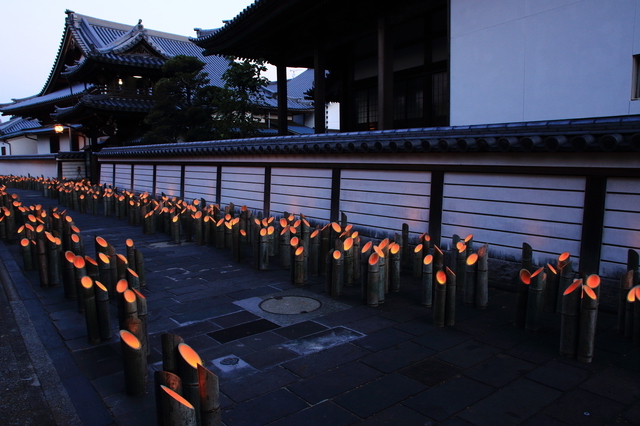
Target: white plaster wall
{"points": [[523, 60], [23, 146]]}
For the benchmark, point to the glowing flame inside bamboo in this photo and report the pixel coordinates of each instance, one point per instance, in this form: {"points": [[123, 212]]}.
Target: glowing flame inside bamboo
{"points": [[101, 242], [461, 247], [378, 251], [589, 292], [189, 355], [395, 248], [40, 228], [299, 251], [284, 230], [441, 277], [265, 221], [103, 258], [100, 286], [131, 340], [176, 396], [24, 242], [122, 286], [472, 259], [297, 223], [537, 272], [418, 248], [263, 232], [366, 247], [552, 269], [383, 243], [525, 276], [132, 272], [294, 241], [292, 230], [315, 233], [348, 243], [336, 227], [78, 262], [123, 259], [427, 259], [75, 238], [468, 238], [90, 260], [271, 230], [593, 281], [129, 296], [631, 296], [69, 256], [86, 282], [229, 225], [564, 256], [243, 232], [337, 254], [354, 234], [373, 259], [577, 283]]}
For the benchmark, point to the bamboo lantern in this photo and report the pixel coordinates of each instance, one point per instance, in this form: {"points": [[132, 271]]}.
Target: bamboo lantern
{"points": [[356, 257], [418, 258], [527, 257], [427, 281], [382, 264], [394, 267], [188, 361], [471, 271], [121, 287], [263, 264], [460, 265], [121, 265], [299, 266], [522, 293], [169, 344], [565, 274], [129, 308], [285, 247], [209, 397], [132, 279], [149, 223], [365, 253], [25, 250], [90, 310], [197, 227], [43, 267], [482, 278], [636, 316], [629, 324], [450, 303], [570, 319], [440, 299], [135, 364], [534, 300], [207, 225], [103, 310], [93, 270], [176, 410], [68, 275], [550, 292], [337, 273], [142, 311], [139, 268], [105, 271], [314, 253], [626, 283], [325, 246], [101, 246], [633, 262], [348, 250], [80, 271], [373, 280], [335, 231], [438, 259], [305, 231], [588, 318], [406, 250], [169, 380]]}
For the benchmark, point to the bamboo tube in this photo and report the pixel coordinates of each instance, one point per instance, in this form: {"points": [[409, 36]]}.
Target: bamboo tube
{"points": [[550, 291], [356, 257], [337, 273], [169, 344], [130, 248], [522, 293], [565, 274], [527, 257], [394, 267], [633, 262], [142, 311], [43, 267], [135, 364], [175, 229], [188, 361], [427, 281], [76, 245], [176, 410], [482, 278], [25, 250], [105, 271], [636, 316], [101, 246], [588, 318], [264, 250], [534, 300], [121, 265], [450, 303], [80, 271], [209, 397], [139, 268], [471, 271], [299, 272], [121, 287], [68, 275], [129, 307], [418, 258], [285, 247], [382, 265], [314, 253], [570, 319], [325, 237], [626, 282], [365, 253], [132, 279], [438, 259], [92, 268], [348, 251], [440, 299], [373, 280], [468, 242], [90, 310], [102, 309], [169, 380], [629, 325]]}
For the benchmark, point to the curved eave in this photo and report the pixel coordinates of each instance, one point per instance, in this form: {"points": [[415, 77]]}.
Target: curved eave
{"points": [[90, 104], [131, 64]]}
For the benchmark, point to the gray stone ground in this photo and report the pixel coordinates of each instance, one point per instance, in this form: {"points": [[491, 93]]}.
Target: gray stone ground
{"points": [[342, 363]]}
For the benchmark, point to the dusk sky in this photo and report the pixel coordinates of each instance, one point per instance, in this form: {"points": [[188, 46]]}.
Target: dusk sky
{"points": [[31, 31]]}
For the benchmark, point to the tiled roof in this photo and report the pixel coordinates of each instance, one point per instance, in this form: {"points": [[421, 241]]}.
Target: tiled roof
{"points": [[17, 124], [104, 103], [75, 90]]}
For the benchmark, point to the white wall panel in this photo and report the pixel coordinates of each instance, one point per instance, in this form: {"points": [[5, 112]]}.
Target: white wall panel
{"points": [[508, 210], [143, 178], [621, 230], [306, 191], [70, 170], [123, 176], [168, 180], [106, 173], [384, 200], [243, 186], [200, 182]]}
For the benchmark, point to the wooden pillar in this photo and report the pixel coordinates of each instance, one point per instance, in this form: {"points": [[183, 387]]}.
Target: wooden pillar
{"points": [[319, 93], [435, 209], [595, 194], [281, 77], [385, 75]]}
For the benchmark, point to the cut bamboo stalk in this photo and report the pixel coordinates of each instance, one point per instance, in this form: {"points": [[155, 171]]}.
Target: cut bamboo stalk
{"points": [[103, 310], [188, 361], [418, 258], [169, 380], [325, 239], [588, 318], [271, 239], [471, 271], [468, 242], [130, 247], [105, 272], [460, 265], [438, 259], [522, 293], [633, 263], [299, 267], [139, 268], [356, 257], [68, 275], [636, 316], [314, 253], [527, 257], [169, 344], [570, 319], [92, 268], [626, 282], [80, 271], [565, 277], [264, 250], [629, 326], [365, 253], [348, 251], [90, 310], [25, 250], [76, 245], [285, 246], [482, 278], [129, 307], [373, 280], [534, 300], [175, 229], [209, 397], [142, 311], [135, 364], [382, 265], [337, 273], [121, 287], [450, 303], [427, 281], [176, 410], [121, 265], [550, 292], [43, 268], [440, 299], [394, 267], [132, 279]]}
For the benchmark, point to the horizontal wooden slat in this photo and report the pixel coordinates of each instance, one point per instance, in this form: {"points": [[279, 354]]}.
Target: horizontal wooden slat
{"points": [[517, 195], [623, 185], [509, 209], [566, 183], [296, 172]]}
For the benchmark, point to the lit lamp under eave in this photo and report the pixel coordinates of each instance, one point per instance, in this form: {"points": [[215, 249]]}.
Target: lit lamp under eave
{"points": [[58, 128]]}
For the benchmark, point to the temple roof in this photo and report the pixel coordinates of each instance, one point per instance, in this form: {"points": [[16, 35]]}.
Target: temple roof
{"points": [[16, 126], [48, 99]]}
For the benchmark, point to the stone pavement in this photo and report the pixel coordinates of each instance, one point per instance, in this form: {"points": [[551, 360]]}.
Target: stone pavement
{"points": [[336, 362]]}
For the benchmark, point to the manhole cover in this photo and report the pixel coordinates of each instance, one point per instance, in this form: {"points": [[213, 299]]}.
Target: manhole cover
{"points": [[290, 305]]}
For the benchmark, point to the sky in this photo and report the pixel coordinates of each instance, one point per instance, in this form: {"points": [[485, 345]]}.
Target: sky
{"points": [[31, 31]]}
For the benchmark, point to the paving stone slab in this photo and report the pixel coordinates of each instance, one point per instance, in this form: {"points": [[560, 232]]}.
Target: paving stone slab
{"points": [[325, 360], [558, 375], [268, 357], [431, 371], [615, 383], [468, 354], [581, 407], [263, 409], [383, 339], [443, 338], [499, 370], [326, 413], [397, 415], [397, 357]]}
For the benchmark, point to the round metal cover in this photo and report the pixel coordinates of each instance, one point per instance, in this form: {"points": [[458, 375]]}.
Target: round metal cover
{"points": [[290, 305]]}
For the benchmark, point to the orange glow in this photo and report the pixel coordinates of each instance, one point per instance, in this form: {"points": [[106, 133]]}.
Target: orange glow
{"points": [[294, 241], [122, 286], [40, 228], [297, 223], [177, 397], [75, 229], [472, 259], [75, 238], [427, 259], [468, 238], [299, 251], [384, 243], [271, 230], [418, 248], [101, 242], [367, 247], [593, 281], [131, 340], [461, 247], [378, 251], [564, 256], [24, 242], [631, 296], [90, 260], [265, 221], [336, 227], [525, 276], [589, 292], [354, 234], [441, 277], [373, 259], [189, 355], [263, 232], [315, 233], [123, 259], [177, 218], [100, 286], [337, 254], [292, 230], [198, 215], [348, 243], [227, 217], [70, 256], [537, 272], [86, 282], [103, 258], [78, 262], [395, 248], [220, 222], [229, 225], [132, 272], [284, 230], [437, 248], [129, 296], [243, 232], [572, 287], [552, 269]]}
